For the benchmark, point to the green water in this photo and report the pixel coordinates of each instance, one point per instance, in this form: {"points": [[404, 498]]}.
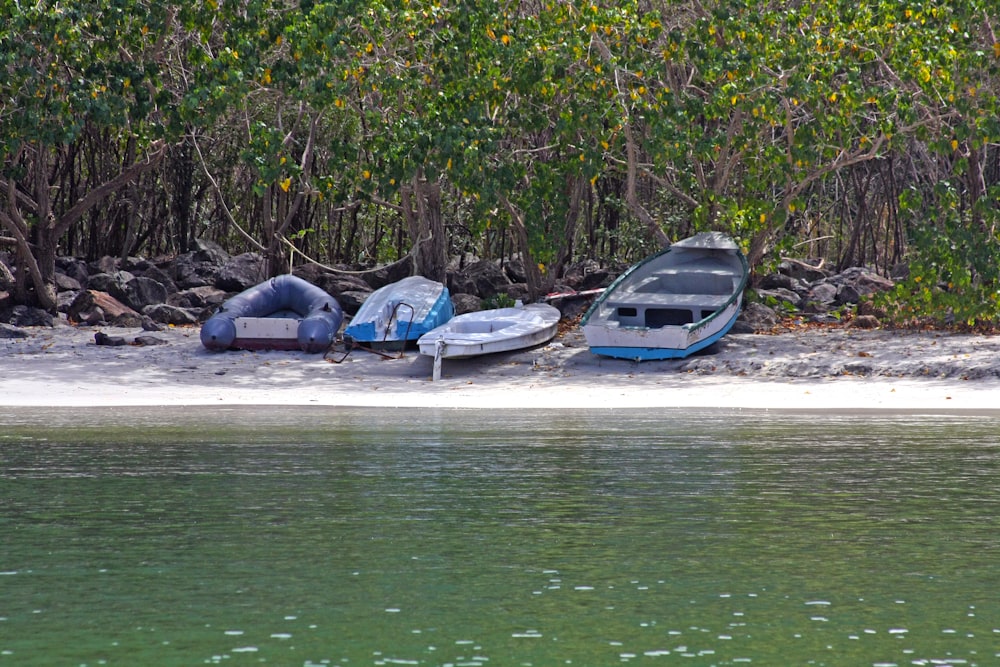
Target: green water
{"points": [[389, 537]]}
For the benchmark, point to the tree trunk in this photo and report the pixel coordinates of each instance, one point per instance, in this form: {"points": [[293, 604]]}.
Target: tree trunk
{"points": [[422, 212], [577, 187], [537, 286]]}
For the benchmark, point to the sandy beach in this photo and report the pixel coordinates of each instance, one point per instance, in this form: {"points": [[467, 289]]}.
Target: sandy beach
{"points": [[834, 368]]}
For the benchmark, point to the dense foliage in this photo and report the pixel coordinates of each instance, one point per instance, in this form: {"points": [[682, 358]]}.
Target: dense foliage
{"points": [[365, 131]]}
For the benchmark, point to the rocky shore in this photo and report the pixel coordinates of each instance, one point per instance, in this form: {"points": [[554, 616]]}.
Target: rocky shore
{"points": [[128, 334], [187, 289]]}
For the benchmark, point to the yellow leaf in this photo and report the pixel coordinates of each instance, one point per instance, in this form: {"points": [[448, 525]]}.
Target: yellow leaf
{"points": [[954, 144], [366, 174], [285, 184], [505, 39], [448, 167]]}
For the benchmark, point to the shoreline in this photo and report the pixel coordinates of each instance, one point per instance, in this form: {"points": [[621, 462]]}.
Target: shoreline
{"points": [[811, 370]]}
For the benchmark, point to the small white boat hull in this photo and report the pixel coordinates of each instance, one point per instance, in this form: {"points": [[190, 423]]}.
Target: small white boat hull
{"points": [[490, 332]]}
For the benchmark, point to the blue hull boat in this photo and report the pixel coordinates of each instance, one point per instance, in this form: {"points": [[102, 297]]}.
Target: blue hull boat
{"points": [[671, 304], [400, 313], [283, 313]]}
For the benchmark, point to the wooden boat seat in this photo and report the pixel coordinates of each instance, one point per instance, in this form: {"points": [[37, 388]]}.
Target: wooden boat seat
{"points": [[664, 300], [691, 281]]}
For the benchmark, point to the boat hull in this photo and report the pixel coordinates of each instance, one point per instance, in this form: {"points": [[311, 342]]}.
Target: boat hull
{"points": [[672, 304], [400, 313], [491, 331]]}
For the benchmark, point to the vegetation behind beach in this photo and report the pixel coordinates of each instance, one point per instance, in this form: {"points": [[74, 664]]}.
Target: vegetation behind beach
{"points": [[356, 133]]}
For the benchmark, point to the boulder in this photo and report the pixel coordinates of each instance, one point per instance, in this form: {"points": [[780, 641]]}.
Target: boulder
{"points": [[755, 318], [161, 312], [388, 274], [93, 306], [140, 292], [197, 298], [10, 331], [241, 272], [484, 279], [587, 274], [198, 267], [112, 283], [466, 303], [351, 300], [26, 316], [806, 271], [66, 283], [781, 296], [74, 268]]}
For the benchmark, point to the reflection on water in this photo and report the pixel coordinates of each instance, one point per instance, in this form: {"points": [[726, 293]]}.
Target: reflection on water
{"points": [[399, 537]]}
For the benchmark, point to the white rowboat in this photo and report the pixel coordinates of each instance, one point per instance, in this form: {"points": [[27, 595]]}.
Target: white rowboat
{"points": [[489, 332]]}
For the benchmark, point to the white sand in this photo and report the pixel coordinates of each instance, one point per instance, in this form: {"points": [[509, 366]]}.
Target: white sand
{"points": [[829, 369]]}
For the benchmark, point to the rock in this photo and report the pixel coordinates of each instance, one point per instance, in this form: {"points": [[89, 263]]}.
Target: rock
{"points": [[148, 324], [126, 320], [351, 301], [196, 298], [160, 276], [775, 281], [112, 283], [161, 312], [801, 270], [140, 292], [241, 272], [484, 279], [587, 274], [92, 307], [513, 268], [866, 322], [103, 265], [466, 303], [755, 318], [65, 283], [149, 340], [863, 280], [781, 296], [26, 316], [10, 331], [74, 268], [101, 338], [336, 284], [388, 274], [198, 267]]}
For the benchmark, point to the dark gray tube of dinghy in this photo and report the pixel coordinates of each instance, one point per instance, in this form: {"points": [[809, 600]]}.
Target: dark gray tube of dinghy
{"points": [[320, 313]]}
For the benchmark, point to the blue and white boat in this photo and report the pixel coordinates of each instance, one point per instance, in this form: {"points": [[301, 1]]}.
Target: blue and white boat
{"points": [[400, 313], [671, 304], [283, 313]]}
